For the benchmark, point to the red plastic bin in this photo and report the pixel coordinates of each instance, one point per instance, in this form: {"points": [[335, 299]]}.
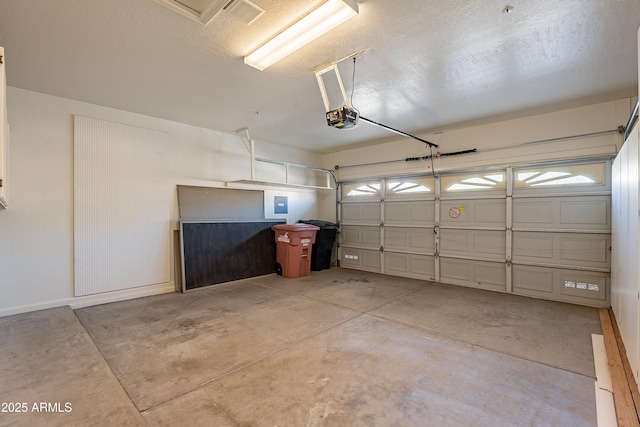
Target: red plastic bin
{"points": [[293, 248]]}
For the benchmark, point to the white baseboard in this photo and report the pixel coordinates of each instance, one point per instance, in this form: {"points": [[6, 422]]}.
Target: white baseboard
{"points": [[89, 300]]}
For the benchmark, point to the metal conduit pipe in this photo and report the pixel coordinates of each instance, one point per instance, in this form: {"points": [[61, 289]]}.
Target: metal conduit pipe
{"points": [[488, 149]]}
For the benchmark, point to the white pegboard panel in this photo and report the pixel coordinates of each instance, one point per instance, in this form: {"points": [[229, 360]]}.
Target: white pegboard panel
{"points": [[121, 206]]}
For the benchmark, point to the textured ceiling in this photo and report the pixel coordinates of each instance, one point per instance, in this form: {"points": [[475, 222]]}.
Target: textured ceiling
{"points": [[431, 63]]}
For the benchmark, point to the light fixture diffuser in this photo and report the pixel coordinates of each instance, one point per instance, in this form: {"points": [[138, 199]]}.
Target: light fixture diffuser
{"points": [[320, 20]]}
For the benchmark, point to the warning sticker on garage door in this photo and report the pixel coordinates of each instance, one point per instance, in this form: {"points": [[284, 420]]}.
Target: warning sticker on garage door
{"points": [[456, 210]]}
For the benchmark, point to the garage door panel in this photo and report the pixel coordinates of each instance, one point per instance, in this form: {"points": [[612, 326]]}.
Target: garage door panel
{"points": [[473, 213], [409, 265], [409, 239], [362, 236], [526, 278], [360, 259], [586, 212], [539, 212], [456, 269], [490, 212], [589, 249], [414, 213], [371, 260], [473, 243], [455, 242], [350, 234], [479, 274], [530, 246], [351, 212], [490, 273], [361, 213], [573, 286], [567, 213], [370, 236], [489, 243], [570, 249]]}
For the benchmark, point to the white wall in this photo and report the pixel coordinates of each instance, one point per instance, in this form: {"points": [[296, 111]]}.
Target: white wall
{"points": [[625, 260], [36, 231], [625, 273]]}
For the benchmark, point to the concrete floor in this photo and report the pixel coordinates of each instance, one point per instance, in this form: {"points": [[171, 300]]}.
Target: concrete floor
{"points": [[337, 348]]}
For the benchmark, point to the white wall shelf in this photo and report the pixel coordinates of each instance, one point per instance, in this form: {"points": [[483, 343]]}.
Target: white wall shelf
{"points": [[244, 183]]}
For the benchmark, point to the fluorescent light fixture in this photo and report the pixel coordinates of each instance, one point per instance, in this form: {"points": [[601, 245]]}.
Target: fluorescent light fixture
{"points": [[320, 20]]}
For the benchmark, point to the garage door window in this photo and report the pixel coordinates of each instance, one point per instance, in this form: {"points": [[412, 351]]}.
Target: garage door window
{"points": [[362, 190], [409, 186], [559, 176], [593, 287], [472, 182]]}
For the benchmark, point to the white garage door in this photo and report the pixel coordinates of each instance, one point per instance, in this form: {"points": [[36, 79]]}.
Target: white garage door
{"points": [[541, 231], [472, 232], [562, 232], [387, 226]]}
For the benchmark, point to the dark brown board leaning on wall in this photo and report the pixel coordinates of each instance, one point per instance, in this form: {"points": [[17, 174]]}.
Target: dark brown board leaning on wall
{"points": [[218, 252]]}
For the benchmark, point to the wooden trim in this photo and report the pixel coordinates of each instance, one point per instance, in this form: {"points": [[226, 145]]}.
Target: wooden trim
{"points": [[633, 386], [622, 392]]}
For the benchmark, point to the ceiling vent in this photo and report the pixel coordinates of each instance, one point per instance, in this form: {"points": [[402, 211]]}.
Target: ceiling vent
{"points": [[245, 10], [202, 11]]}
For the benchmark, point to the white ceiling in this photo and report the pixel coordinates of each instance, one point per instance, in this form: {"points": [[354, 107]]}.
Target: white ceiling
{"points": [[431, 63]]}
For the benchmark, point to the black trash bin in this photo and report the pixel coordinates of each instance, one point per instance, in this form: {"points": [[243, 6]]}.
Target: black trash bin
{"points": [[323, 247]]}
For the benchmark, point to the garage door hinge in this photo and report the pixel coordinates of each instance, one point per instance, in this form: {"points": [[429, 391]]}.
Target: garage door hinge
{"points": [[1, 59], [381, 249], [381, 223]]}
